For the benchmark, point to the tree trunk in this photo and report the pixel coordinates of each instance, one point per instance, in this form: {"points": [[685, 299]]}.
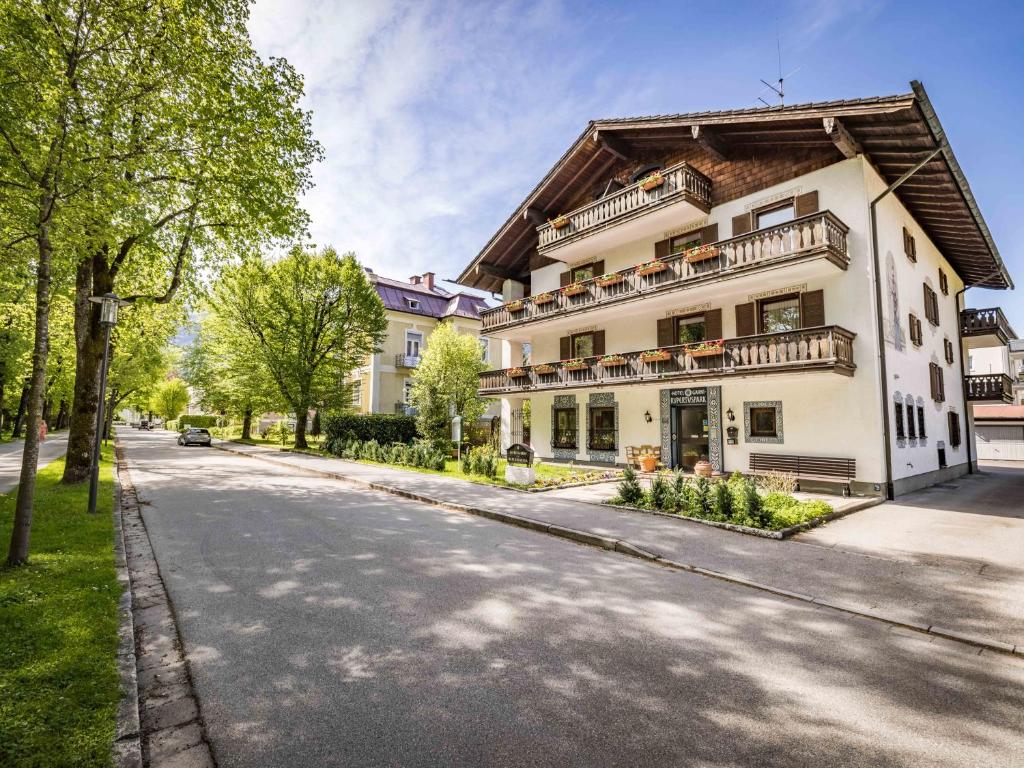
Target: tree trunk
{"points": [[18, 552], [301, 415], [19, 419], [47, 407], [247, 424], [108, 420], [62, 414], [92, 279]]}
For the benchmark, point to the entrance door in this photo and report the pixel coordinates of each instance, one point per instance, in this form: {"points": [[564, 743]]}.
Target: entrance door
{"points": [[690, 432]]}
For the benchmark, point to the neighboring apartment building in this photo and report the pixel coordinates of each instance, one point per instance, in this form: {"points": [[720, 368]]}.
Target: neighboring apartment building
{"points": [[706, 283], [999, 423], [1005, 364], [413, 309]]}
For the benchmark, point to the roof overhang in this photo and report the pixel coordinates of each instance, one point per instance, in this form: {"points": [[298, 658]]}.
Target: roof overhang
{"points": [[893, 132]]}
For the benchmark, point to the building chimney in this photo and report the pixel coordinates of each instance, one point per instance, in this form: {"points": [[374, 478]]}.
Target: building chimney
{"points": [[428, 280], [415, 279]]}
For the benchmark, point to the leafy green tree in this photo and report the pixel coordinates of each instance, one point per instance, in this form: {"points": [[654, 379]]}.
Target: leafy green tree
{"points": [[447, 381], [169, 399], [310, 317]]}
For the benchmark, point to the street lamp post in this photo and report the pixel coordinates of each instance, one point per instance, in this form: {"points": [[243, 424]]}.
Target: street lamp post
{"points": [[109, 304]]}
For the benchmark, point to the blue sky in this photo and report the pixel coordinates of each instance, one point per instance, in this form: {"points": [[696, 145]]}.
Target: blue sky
{"points": [[438, 117]]}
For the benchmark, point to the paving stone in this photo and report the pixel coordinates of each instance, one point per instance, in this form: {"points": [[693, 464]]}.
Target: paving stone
{"points": [[194, 757], [177, 712], [151, 680], [163, 744], [127, 754]]}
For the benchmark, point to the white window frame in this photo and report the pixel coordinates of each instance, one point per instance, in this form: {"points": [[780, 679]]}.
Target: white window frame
{"points": [[409, 333], [357, 392]]}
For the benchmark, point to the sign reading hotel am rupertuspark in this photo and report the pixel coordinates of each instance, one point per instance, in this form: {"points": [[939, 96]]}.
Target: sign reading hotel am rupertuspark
{"points": [[688, 396], [519, 455]]}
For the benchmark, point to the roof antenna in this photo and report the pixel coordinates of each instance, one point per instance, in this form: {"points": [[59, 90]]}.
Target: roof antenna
{"points": [[780, 89]]}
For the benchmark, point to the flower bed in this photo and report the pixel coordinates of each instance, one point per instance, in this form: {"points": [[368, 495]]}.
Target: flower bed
{"points": [[545, 368], [578, 364], [655, 356], [735, 501], [613, 278], [651, 268], [574, 289], [516, 306], [706, 348], [611, 361], [653, 181], [559, 222], [517, 373], [543, 298], [700, 253]]}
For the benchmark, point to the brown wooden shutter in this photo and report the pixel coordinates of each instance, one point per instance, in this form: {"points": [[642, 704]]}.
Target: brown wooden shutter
{"points": [[713, 323], [598, 268], [709, 234], [742, 224], [943, 283], [941, 375], [598, 343], [564, 279], [931, 381], [666, 331], [935, 306], [564, 348], [662, 248], [745, 325], [812, 309], [805, 204]]}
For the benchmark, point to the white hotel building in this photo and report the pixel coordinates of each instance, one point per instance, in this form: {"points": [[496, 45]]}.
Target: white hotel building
{"points": [[764, 288]]}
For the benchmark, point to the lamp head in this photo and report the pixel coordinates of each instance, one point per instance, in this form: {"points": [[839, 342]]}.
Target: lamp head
{"points": [[109, 303]]}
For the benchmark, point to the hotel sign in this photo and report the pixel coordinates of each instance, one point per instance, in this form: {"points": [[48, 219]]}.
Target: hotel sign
{"points": [[688, 396]]}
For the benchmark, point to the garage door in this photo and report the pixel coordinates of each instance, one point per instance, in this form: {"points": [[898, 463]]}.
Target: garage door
{"points": [[1000, 442]]}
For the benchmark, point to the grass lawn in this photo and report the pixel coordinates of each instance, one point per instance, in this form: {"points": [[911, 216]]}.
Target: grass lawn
{"points": [[59, 686]]}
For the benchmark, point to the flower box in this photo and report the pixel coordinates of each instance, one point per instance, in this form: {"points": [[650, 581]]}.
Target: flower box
{"points": [[653, 181], [516, 306], [613, 279], [575, 365], [559, 222], [544, 368], [611, 361], [701, 253], [543, 298], [655, 356], [517, 373], [574, 289], [707, 349], [652, 268]]}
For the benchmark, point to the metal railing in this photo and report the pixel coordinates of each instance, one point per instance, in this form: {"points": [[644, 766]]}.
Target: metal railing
{"points": [[803, 238], [680, 182], [989, 386], [827, 346], [407, 361]]}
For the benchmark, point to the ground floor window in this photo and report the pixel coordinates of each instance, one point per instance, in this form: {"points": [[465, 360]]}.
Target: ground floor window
{"points": [[763, 423], [565, 428], [920, 422], [900, 429], [954, 430], [357, 392], [602, 429]]}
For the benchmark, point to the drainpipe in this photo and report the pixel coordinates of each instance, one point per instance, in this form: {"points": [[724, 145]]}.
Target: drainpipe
{"points": [[880, 317]]}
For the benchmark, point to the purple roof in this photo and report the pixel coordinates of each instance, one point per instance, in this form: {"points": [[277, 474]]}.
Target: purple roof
{"points": [[438, 303]]}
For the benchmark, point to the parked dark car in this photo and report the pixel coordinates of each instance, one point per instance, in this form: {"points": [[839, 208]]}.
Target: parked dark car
{"points": [[194, 436], [144, 424]]}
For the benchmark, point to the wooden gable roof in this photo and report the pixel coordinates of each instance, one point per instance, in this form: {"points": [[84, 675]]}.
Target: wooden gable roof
{"points": [[894, 132]]}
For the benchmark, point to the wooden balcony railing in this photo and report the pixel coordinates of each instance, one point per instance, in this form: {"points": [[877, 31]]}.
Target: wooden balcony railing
{"points": [[681, 182], [804, 238], [985, 322], [989, 386], [827, 347]]}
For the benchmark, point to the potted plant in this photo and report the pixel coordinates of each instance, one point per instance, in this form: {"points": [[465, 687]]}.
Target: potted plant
{"points": [[574, 289], [559, 222], [545, 368], [703, 467], [575, 364], [612, 278], [517, 373], [543, 298], [655, 356], [651, 268], [653, 181], [516, 306], [611, 361], [700, 253], [648, 462], [705, 348]]}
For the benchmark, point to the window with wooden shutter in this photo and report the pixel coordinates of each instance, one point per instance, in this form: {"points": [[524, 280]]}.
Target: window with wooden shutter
{"points": [[564, 348], [662, 248], [954, 430], [812, 309], [909, 246], [943, 283], [806, 204], [564, 279], [598, 268], [742, 224], [938, 384], [745, 316], [598, 343], [948, 345], [920, 422], [666, 331], [709, 234], [713, 323], [931, 305], [898, 421], [915, 331], [911, 424]]}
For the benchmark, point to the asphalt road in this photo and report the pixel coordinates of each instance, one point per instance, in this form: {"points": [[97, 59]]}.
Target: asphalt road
{"points": [[333, 626], [52, 448]]}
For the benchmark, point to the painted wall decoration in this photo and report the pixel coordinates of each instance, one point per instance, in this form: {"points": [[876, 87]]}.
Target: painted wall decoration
{"points": [[712, 396], [893, 329], [603, 400], [779, 434], [565, 401]]}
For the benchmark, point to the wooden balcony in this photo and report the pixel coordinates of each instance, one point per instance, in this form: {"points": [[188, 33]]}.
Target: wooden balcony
{"points": [[827, 348], [681, 183], [985, 327], [809, 237], [989, 387]]}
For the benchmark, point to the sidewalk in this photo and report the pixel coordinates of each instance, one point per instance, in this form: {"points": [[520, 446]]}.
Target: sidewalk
{"points": [[914, 594], [52, 448]]}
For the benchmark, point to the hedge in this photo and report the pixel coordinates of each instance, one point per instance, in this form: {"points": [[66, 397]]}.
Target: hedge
{"points": [[198, 421], [385, 428]]}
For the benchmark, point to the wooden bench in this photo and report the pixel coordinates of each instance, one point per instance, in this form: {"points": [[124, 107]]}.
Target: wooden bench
{"points": [[806, 467]]}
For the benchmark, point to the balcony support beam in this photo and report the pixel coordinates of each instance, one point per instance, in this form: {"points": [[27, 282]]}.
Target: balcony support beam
{"points": [[841, 137], [709, 141]]}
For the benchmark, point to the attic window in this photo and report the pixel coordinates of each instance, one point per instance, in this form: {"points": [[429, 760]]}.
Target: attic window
{"points": [[413, 303]]}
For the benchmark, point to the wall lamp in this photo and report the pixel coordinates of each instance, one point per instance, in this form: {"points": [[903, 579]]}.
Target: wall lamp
{"points": [[647, 417], [730, 415]]}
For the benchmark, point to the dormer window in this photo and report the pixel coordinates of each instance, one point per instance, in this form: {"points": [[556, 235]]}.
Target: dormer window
{"points": [[413, 303]]}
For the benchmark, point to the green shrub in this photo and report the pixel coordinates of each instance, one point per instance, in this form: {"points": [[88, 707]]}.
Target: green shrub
{"points": [[205, 422], [703, 498], [482, 460], [385, 428], [679, 485], [629, 490], [279, 432], [796, 512], [660, 494], [721, 501]]}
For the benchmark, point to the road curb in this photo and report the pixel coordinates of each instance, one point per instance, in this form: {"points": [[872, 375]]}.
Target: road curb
{"points": [[632, 550], [126, 750]]}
